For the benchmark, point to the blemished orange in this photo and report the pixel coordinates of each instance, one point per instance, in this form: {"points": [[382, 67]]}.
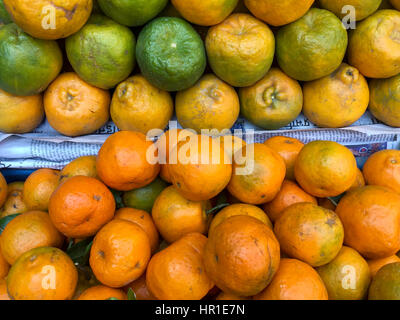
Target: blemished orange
{"points": [[74, 107], [137, 105], [290, 193], [258, 181], [101, 292], [383, 169], [239, 209], [211, 104], [295, 280], [371, 220], [325, 169], [120, 253], [122, 162], [337, 100], [81, 206], [177, 272], [176, 216], [139, 287], [20, 114], [310, 233], [14, 203], [278, 13], [39, 187], [288, 148], [242, 255], [82, 166], [3, 190], [3, 290], [43, 273], [376, 264], [142, 219], [200, 172], [32, 16], [28, 231]]}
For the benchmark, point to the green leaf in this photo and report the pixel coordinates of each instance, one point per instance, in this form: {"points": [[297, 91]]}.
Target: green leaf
{"points": [[4, 221], [217, 208], [79, 253], [131, 294], [112, 299], [118, 198]]}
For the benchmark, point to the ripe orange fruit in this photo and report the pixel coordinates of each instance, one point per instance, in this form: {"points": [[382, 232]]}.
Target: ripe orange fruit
{"points": [[120, 253], [74, 107], [310, 233], [239, 209], [200, 171], [177, 272], [359, 182], [122, 162], [229, 296], [242, 255], [3, 190], [258, 181], [27, 231], [383, 169], [4, 266], [43, 273], [143, 220], [210, 104], [176, 216], [101, 292], [337, 100], [278, 13], [294, 280], [231, 145], [140, 289], [325, 169], [385, 285], [39, 187], [20, 114], [290, 193], [395, 3], [137, 105], [14, 203], [371, 220], [347, 277], [363, 8], [82, 166], [376, 264], [288, 148], [3, 290], [81, 206]]}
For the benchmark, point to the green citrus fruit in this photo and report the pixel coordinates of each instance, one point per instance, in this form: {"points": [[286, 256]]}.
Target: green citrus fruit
{"points": [[27, 65], [171, 54], [313, 46], [4, 16], [386, 283], [364, 8], [103, 52], [143, 198], [132, 13]]}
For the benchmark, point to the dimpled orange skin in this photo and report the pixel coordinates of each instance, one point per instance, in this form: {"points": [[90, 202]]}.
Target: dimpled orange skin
{"points": [[120, 253], [27, 231], [371, 220], [3, 190], [209, 104], [31, 276], [289, 194], [3, 290], [242, 255], [288, 148], [177, 272], [205, 175], [140, 289], [74, 107], [376, 264], [337, 100], [310, 233], [4, 266], [325, 169], [205, 12], [122, 162], [261, 184], [82, 166], [39, 187], [137, 105], [383, 169], [81, 206], [239, 209], [278, 13], [295, 280], [176, 216], [374, 47], [70, 16], [20, 114], [143, 220], [101, 292]]}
